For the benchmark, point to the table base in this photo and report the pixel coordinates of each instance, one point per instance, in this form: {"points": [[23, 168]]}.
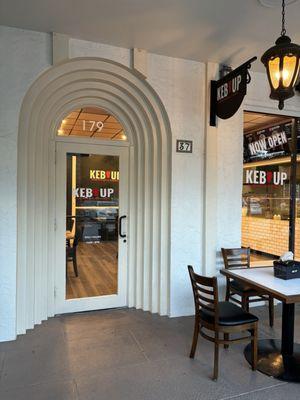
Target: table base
{"points": [[271, 362]]}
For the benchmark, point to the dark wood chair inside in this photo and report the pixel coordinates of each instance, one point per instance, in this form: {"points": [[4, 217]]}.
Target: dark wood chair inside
{"points": [[221, 318], [71, 253], [240, 258]]}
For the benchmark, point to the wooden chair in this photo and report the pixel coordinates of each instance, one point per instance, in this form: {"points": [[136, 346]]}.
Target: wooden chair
{"points": [[240, 258], [71, 254], [219, 317]]}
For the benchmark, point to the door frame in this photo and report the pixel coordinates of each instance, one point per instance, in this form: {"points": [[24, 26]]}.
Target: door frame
{"points": [[63, 305]]}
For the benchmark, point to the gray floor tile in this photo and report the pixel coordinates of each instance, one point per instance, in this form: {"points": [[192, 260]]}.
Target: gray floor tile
{"points": [[130, 354], [34, 365], [281, 391], [87, 356], [2, 355], [53, 390], [173, 378], [50, 331]]}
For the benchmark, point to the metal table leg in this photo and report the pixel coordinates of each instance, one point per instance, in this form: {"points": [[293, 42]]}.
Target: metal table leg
{"points": [[280, 359]]}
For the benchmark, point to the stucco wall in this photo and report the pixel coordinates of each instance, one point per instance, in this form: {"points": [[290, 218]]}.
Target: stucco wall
{"points": [[24, 54]]}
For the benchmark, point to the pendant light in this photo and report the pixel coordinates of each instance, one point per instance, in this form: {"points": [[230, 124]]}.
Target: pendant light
{"points": [[282, 65]]}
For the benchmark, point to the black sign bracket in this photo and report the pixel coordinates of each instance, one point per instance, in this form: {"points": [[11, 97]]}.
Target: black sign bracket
{"points": [[227, 94]]}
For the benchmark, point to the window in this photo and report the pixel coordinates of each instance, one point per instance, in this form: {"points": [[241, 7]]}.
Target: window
{"points": [[92, 122], [267, 182]]}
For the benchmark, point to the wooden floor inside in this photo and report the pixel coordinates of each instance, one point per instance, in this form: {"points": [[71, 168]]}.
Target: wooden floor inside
{"points": [[97, 269]]}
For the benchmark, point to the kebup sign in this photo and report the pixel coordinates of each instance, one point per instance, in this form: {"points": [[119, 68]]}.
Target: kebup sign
{"points": [[89, 193], [101, 175], [254, 177], [227, 94]]}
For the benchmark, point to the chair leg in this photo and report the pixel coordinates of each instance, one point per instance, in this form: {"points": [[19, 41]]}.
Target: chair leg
{"points": [[195, 338], [271, 311], [227, 295], [245, 303], [254, 348], [216, 358], [226, 337], [75, 265]]}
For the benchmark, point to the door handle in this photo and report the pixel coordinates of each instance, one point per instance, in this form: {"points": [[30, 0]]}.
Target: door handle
{"points": [[122, 235]]}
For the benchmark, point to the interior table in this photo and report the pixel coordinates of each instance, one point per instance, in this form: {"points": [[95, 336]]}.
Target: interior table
{"points": [[277, 358]]}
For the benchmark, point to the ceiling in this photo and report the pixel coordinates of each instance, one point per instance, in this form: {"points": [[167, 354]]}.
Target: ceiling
{"points": [[228, 31], [91, 122], [257, 121]]}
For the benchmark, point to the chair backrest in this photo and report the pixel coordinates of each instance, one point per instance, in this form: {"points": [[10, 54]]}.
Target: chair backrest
{"points": [[205, 292], [236, 258]]}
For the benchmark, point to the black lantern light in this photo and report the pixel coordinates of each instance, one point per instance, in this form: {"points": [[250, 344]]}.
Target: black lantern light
{"points": [[282, 64]]}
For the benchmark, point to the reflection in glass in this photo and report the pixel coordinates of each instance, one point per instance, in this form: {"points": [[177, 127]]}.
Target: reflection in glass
{"points": [[92, 225]]}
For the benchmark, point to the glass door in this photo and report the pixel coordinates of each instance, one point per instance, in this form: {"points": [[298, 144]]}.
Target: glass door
{"points": [[91, 227]]}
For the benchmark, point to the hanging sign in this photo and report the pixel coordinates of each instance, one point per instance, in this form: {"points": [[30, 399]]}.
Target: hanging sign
{"points": [[227, 94]]}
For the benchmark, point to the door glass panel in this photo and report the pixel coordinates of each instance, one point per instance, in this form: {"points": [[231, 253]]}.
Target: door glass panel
{"points": [[92, 210]]}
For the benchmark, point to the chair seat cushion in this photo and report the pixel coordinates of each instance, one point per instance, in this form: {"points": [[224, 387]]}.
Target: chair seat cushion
{"points": [[229, 315]]}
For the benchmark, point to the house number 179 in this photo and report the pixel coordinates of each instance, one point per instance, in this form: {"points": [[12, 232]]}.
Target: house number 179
{"points": [[92, 126]]}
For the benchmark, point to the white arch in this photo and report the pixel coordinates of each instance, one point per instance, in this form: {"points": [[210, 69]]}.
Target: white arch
{"points": [[67, 86]]}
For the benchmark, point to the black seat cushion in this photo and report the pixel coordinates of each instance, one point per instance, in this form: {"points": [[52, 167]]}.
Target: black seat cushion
{"points": [[229, 314], [239, 287]]}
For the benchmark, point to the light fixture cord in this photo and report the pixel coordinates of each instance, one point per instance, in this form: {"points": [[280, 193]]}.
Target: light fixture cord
{"points": [[283, 30]]}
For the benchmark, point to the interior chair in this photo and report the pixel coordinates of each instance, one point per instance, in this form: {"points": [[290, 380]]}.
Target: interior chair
{"points": [[70, 232], [110, 230], [71, 254], [240, 258], [220, 318]]}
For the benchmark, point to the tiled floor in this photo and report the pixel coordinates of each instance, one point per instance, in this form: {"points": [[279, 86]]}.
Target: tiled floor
{"points": [[130, 355]]}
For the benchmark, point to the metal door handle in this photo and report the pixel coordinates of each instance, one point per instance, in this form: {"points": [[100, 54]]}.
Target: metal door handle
{"points": [[122, 235]]}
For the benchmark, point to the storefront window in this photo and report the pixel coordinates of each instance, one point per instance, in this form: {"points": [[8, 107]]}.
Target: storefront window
{"points": [[267, 187]]}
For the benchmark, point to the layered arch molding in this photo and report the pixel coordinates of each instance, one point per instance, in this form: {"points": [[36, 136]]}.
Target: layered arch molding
{"points": [[71, 85]]}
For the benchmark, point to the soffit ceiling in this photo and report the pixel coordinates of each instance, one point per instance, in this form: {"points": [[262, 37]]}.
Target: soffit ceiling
{"points": [[228, 31]]}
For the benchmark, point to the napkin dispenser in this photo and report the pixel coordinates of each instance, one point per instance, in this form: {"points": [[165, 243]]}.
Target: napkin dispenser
{"points": [[288, 269]]}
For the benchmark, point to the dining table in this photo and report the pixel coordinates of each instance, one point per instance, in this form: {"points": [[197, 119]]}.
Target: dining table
{"points": [[279, 358]]}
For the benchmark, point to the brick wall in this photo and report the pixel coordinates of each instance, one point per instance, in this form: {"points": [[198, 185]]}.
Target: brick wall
{"points": [[268, 235]]}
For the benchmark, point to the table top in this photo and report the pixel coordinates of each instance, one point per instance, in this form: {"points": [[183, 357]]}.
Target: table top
{"points": [[264, 279]]}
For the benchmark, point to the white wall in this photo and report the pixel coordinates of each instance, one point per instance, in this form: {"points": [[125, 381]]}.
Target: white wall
{"points": [[23, 54], [180, 84]]}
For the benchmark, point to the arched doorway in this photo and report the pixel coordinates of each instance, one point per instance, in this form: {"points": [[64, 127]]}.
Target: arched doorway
{"points": [[63, 88]]}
